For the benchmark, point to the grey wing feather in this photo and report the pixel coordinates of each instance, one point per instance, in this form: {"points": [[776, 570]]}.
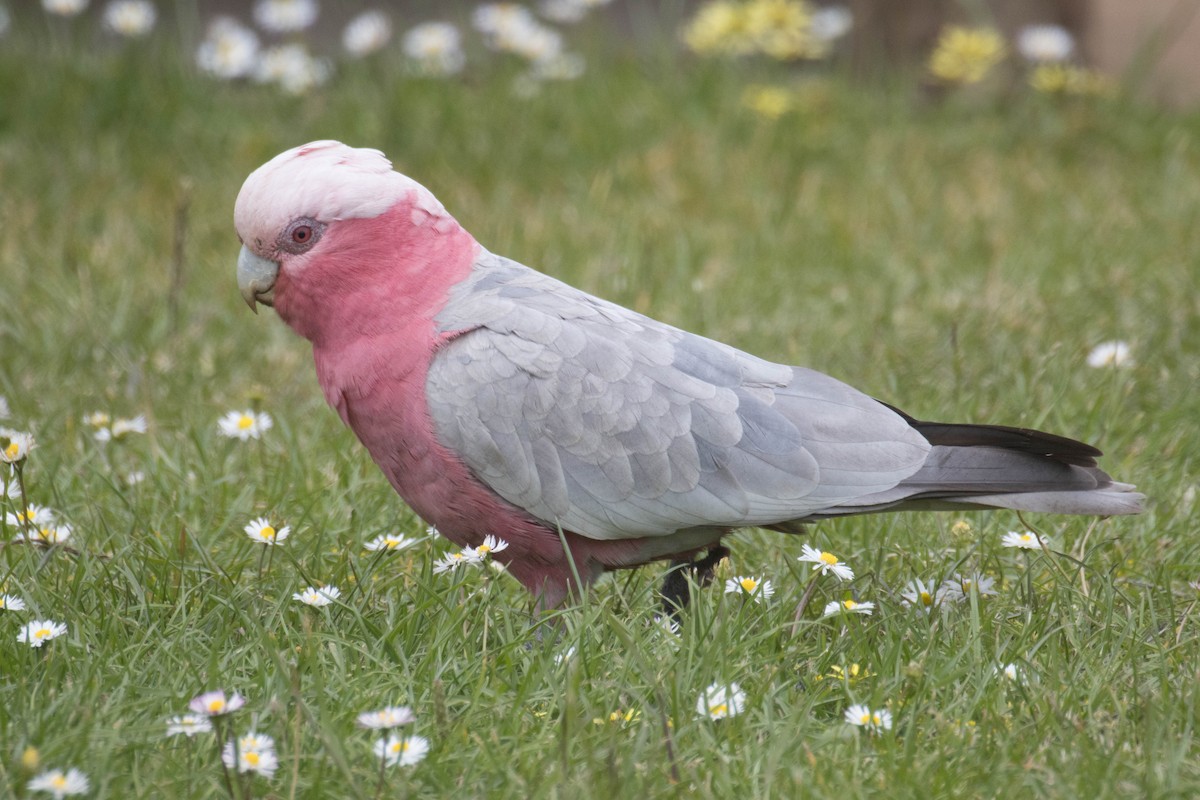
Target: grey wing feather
{"points": [[613, 425]]}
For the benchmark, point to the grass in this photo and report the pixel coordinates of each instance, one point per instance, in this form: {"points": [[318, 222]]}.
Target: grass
{"points": [[958, 260]]}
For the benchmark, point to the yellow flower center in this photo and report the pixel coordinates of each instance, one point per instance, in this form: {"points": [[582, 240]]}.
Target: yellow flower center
{"points": [[391, 543], [849, 604], [267, 532], [749, 584], [41, 633], [719, 709], [252, 758], [829, 558], [1026, 537], [59, 781], [865, 719], [216, 706], [483, 549], [926, 599], [457, 556], [875, 719], [12, 450], [245, 421]]}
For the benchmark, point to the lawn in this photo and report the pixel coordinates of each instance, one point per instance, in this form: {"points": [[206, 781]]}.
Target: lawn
{"points": [[957, 258]]}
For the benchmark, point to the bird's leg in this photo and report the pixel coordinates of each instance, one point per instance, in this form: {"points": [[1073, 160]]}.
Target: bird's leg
{"points": [[676, 592]]}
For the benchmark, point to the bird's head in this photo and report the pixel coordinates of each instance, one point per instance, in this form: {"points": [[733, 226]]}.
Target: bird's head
{"points": [[325, 221]]}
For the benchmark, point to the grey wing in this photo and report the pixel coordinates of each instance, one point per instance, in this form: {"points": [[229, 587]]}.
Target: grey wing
{"points": [[613, 425]]}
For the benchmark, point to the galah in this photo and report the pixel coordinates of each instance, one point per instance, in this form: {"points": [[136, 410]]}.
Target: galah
{"points": [[500, 401]]}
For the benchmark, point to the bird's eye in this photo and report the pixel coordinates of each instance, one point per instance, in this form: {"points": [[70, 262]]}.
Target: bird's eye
{"points": [[300, 235]]}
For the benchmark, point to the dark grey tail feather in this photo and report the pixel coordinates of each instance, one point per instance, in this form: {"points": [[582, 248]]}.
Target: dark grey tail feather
{"points": [[1027, 440]]}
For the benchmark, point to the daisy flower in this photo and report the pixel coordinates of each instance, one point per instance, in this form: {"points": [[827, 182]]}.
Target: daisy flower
{"points": [[452, 561], [285, 16], [919, 596], [831, 22], [130, 18], [366, 33], [318, 597], [48, 534], [255, 753], [1110, 354], [757, 588], [230, 50], [435, 48], [565, 655], [64, 8], [59, 783], [38, 632], [121, 428], [245, 424], [720, 701], [959, 587], [35, 515], [15, 445], [873, 721], [826, 562], [391, 541], [404, 752], [564, 12], [1010, 671], [261, 531], [390, 717], [294, 68], [491, 545], [1043, 43], [215, 703], [10, 602], [188, 725], [848, 607], [1025, 540], [97, 419]]}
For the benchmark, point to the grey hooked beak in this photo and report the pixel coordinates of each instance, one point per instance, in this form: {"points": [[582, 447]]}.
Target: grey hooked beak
{"points": [[256, 278]]}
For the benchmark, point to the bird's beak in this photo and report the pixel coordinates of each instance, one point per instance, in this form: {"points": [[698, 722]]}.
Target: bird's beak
{"points": [[256, 278]]}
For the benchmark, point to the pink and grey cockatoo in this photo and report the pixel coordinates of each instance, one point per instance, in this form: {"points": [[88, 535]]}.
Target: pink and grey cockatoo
{"points": [[498, 400]]}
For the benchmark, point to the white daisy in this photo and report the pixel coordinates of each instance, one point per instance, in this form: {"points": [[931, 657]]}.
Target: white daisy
{"points": [[35, 515], [435, 48], [759, 589], [565, 655], [831, 22], [390, 717], [403, 752], [826, 562], [59, 783], [255, 753], [132, 18], [318, 597], [1025, 540], [390, 541], [64, 8], [491, 18], [366, 33], [10, 602], [15, 445], [245, 424], [919, 596], [1010, 671], [215, 703], [49, 534], [261, 531], [230, 50], [452, 561], [848, 607], [720, 701], [293, 68], [873, 721], [1045, 43], [39, 631], [959, 587], [97, 419], [1110, 354], [188, 725], [491, 545], [285, 16], [564, 12]]}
